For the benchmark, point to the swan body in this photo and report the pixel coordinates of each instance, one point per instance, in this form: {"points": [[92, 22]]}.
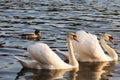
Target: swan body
{"points": [[88, 48], [44, 58]]}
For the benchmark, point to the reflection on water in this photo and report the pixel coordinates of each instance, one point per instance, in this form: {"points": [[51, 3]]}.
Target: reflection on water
{"points": [[109, 69], [87, 71], [94, 71], [91, 71], [46, 74]]}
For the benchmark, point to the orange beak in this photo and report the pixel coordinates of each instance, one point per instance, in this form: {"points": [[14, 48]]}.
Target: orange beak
{"points": [[75, 38], [111, 40]]}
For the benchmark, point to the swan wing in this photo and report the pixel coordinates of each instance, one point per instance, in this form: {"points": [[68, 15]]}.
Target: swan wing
{"points": [[88, 45], [44, 55]]}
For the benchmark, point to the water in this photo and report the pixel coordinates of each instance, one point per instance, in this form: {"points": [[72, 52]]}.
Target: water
{"points": [[55, 18]]}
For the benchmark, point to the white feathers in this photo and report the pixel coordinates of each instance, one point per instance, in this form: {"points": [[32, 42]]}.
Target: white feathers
{"points": [[88, 46]]}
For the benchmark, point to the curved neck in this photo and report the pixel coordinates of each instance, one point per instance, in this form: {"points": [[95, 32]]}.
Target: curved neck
{"points": [[107, 48], [72, 59]]}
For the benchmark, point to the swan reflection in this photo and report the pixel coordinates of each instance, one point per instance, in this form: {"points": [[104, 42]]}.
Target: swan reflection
{"points": [[95, 70], [108, 70], [87, 71], [30, 74]]}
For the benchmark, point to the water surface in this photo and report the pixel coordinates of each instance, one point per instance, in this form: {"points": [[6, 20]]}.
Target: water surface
{"points": [[55, 18]]}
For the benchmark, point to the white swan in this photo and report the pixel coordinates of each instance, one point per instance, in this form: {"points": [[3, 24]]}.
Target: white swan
{"points": [[44, 58], [88, 48]]}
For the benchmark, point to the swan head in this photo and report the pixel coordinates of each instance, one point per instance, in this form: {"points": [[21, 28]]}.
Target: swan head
{"points": [[72, 36], [108, 37]]}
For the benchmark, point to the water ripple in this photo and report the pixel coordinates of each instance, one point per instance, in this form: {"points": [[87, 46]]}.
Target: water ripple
{"points": [[54, 18]]}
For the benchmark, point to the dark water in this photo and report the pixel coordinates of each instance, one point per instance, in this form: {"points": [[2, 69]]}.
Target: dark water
{"points": [[55, 18]]}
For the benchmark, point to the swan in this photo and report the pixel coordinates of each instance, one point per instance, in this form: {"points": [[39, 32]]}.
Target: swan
{"points": [[44, 58], [88, 48]]}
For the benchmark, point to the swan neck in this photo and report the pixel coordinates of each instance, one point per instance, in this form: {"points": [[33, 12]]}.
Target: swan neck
{"points": [[72, 59], [107, 48]]}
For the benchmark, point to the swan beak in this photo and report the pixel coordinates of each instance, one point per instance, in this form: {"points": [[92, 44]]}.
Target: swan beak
{"points": [[111, 40], [75, 38]]}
